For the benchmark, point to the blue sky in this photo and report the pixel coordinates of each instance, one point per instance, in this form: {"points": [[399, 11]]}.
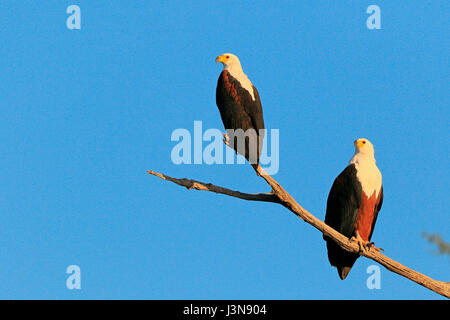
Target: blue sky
{"points": [[86, 112]]}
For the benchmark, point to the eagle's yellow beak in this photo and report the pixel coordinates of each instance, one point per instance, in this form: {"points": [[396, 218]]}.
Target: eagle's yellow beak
{"points": [[220, 59]]}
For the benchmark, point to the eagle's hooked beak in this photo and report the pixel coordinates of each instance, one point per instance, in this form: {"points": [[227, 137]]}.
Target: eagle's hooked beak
{"points": [[220, 59]]}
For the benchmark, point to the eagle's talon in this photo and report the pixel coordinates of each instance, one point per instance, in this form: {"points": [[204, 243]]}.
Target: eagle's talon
{"points": [[360, 242], [225, 137], [371, 245]]}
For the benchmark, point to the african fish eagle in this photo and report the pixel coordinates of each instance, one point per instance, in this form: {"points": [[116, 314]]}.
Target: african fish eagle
{"points": [[353, 205], [240, 108]]}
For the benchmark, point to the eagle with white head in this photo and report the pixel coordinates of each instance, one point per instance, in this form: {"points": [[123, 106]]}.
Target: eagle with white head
{"points": [[240, 108], [353, 204]]}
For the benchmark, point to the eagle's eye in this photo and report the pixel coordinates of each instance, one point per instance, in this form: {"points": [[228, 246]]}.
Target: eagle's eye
{"points": [[364, 142], [228, 57]]}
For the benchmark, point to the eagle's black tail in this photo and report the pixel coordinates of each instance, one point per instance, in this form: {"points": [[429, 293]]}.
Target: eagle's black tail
{"points": [[341, 259]]}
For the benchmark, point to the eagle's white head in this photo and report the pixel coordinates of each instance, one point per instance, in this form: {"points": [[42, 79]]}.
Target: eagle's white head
{"points": [[364, 146], [230, 62], [364, 152]]}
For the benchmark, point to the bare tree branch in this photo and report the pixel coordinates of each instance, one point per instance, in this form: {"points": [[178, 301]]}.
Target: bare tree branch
{"points": [[193, 184], [281, 196]]}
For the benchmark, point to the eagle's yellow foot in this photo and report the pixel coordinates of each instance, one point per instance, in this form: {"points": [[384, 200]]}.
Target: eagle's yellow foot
{"points": [[362, 244], [226, 139]]}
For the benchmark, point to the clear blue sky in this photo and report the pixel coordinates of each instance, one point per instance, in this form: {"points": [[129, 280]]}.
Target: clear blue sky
{"points": [[84, 113]]}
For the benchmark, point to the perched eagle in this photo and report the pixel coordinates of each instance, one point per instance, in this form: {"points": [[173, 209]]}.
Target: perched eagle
{"points": [[240, 108], [353, 205]]}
